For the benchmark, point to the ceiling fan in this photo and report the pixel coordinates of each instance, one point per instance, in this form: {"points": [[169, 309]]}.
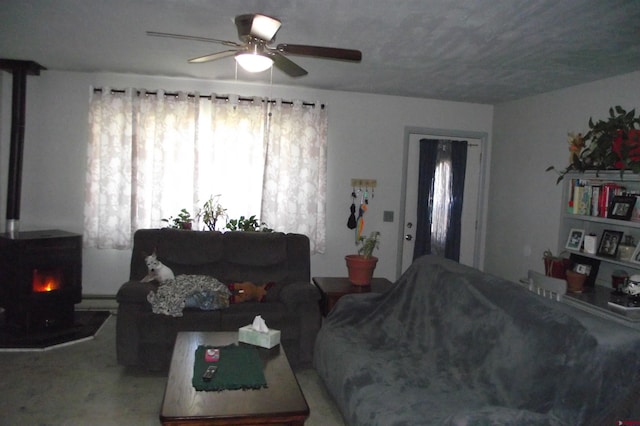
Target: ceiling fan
{"points": [[255, 53]]}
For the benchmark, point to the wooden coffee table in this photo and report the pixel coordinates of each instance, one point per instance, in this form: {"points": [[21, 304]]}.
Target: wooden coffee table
{"points": [[282, 402]]}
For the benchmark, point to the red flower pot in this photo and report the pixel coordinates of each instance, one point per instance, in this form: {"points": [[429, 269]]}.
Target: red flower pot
{"points": [[360, 268], [556, 267]]}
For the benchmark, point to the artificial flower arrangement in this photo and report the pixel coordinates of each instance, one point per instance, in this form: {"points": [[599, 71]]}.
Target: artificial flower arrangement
{"points": [[612, 144]]}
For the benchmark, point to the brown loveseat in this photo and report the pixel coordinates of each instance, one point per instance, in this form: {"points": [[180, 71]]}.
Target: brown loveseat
{"points": [[291, 305]]}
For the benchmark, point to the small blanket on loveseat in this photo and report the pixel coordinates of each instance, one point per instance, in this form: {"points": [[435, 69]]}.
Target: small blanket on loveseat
{"points": [[201, 291], [450, 345]]}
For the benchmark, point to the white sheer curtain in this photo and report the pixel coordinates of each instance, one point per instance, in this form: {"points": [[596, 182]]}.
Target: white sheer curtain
{"points": [[294, 194], [163, 146], [230, 160], [152, 154], [109, 154]]}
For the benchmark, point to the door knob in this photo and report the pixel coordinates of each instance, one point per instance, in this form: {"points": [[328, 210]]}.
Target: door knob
{"points": [[408, 237]]}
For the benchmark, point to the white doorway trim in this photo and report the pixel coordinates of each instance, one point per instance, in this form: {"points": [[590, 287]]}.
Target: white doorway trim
{"points": [[445, 133]]}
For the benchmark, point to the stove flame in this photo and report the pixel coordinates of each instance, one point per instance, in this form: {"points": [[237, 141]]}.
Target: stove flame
{"points": [[46, 280]]}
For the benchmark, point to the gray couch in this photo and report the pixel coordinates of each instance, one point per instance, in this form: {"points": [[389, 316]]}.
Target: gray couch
{"points": [[452, 345], [146, 339]]}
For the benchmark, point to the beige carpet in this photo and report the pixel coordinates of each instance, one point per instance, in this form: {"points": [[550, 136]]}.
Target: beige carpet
{"points": [[82, 384]]}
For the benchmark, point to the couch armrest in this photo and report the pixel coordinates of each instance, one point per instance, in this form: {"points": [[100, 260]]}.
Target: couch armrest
{"points": [[135, 292], [132, 302], [303, 298], [298, 292]]}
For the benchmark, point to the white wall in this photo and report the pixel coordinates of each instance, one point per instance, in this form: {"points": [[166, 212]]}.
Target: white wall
{"points": [[365, 141], [528, 136], [5, 126]]}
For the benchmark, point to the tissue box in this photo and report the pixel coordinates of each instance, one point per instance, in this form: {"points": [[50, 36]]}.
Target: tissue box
{"points": [[268, 340]]}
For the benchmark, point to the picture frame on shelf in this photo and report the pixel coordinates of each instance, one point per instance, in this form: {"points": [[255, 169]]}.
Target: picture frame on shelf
{"points": [[574, 241], [635, 214], [585, 265], [590, 243], [622, 207], [609, 243], [635, 257]]}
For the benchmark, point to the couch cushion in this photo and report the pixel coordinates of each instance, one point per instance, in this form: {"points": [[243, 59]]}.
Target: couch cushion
{"points": [[190, 248], [185, 252], [257, 274], [255, 249], [157, 328], [135, 292]]}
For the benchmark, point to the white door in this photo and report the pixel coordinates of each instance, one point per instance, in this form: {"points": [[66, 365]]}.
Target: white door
{"points": [[469, 205]]}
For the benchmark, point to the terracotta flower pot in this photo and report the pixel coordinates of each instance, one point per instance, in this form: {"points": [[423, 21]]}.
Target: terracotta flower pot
{"points": [[575, 281], [360, 268]]}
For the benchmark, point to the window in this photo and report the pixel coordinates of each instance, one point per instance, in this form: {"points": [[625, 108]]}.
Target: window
{"points": [[442, 196], [152, 154]]}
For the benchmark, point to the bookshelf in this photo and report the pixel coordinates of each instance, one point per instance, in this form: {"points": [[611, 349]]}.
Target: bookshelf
{"points": [[585, 206]]}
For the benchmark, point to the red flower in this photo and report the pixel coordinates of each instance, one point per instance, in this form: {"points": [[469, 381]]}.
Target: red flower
{"points": [[626, 147], [617, 144]]}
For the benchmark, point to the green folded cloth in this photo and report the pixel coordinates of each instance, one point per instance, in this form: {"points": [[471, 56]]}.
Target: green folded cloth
{"points": [[239, 367]]}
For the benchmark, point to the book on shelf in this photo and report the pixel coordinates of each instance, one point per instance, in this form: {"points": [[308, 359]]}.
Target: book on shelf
{"points": [[611, 189], [593, 197], [595, 200]]}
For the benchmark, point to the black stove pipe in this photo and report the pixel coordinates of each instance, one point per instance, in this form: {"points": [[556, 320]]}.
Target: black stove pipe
{"points": [[20, 70]]}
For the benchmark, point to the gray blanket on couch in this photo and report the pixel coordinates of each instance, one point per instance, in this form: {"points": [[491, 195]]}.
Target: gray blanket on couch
{"points": [[451, 345]]}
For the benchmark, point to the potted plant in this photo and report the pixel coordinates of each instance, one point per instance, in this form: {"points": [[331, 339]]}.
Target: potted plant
{"points": [[183, 221], [361, 266], [611, 144], [555, 266], [250, 224], [211, 212]]}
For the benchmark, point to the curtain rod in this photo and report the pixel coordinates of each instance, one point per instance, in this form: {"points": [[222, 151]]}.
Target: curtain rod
{"points": [[219, 97]]}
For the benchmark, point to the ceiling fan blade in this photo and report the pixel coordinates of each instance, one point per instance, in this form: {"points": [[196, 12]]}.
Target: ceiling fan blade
{"points": [[257, 25], [286, 65], [321, 52], [212, 57], [196, 38]]}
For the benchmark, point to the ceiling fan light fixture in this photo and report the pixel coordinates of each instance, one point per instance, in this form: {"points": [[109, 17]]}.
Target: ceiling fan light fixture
{"points": [[253, 62], [264, 27]]}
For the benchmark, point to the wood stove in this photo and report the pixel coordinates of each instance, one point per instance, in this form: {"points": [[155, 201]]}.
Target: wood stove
{"points": [[40, 271], [40, 279]]}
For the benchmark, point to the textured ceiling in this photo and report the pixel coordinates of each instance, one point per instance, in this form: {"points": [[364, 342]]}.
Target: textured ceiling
{"points": [[484, 51]]}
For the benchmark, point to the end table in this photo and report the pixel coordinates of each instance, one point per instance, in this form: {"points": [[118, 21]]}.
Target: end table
{"points": [[333, 288]]}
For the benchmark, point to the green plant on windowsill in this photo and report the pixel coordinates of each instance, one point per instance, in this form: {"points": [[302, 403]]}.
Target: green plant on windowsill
{"points": [[211, 212], [182, 221], [250, 224]]}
